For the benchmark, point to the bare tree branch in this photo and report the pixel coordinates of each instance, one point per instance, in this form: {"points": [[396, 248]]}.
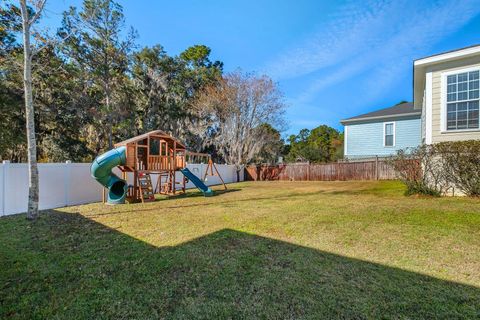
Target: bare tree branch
{"points": [[38, 5], [232, 115]]}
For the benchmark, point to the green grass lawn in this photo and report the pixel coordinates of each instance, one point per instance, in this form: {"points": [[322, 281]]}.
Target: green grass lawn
{"points": [[269, 250]]}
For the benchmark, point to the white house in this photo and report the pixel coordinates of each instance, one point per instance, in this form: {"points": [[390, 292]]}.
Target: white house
{"points": [[446, 89], [445, 108]]}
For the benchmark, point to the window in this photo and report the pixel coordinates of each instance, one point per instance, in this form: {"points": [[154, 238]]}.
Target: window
{"points": [[463, 100], [154, 147], [389, 134]]}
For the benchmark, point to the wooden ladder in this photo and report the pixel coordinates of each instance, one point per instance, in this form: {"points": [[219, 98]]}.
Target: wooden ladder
{"points": [[164, 183], [145, 187]]}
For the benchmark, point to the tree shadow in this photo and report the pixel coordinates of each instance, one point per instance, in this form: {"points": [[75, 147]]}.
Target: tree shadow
{"points": [[67, 266]]}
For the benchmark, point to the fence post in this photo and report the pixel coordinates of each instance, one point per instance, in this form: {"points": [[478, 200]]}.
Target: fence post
{"points": [[376, 167], [5, 166], [67, 181], [308, 170]]}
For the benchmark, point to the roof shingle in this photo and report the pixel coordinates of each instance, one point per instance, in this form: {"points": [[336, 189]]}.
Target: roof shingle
{"points": [[398, 110]]}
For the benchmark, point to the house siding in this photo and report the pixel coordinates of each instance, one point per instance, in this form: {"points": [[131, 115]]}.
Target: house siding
{"points": [[366, 139], [437, 72]]}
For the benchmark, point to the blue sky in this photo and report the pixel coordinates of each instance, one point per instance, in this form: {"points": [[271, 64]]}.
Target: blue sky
{"points": [[332, 59]]}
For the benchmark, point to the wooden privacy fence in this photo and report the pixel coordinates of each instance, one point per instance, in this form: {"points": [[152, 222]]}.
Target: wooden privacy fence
{"points": [[364, 170]]}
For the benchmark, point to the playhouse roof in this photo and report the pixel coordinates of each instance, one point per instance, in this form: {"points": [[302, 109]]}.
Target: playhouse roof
{"points": [[156, 133]]}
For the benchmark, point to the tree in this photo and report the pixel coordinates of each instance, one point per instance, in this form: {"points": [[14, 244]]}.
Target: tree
{"points": [[152, 73], [197, 73], [102, 53], [28, 20], [322, 144], [62, 109], [165, 87], [232, 115], [273, 147], [12, 107], [58, 97]]}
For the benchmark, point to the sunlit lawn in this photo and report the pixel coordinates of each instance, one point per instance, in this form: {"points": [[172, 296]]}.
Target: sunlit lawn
{"points": [[270, 250]]}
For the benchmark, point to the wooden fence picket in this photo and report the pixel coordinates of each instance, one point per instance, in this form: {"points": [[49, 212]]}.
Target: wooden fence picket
{"points": [[361, 170]]}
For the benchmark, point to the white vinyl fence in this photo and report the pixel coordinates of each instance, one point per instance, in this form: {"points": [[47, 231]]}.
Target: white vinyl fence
{"points": [[67, 184]]}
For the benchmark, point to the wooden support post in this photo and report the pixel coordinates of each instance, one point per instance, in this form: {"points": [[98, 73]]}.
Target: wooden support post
{"points": [[174, 186], [147, 167], [308, 171], [212, 166], [223, 182], [135, 185], [137, 165], [376, 167], [337, 169], [206, 172]]}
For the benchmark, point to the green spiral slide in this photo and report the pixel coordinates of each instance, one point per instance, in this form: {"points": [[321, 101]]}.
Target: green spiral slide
{"points": [[101, 170]]}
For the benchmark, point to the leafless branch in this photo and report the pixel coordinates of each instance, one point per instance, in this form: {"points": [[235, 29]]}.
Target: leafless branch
{"points": [[38, 5], [231, 115]]}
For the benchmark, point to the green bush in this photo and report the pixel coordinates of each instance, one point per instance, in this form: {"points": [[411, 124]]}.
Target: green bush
{"points": [[438, 168], [418, 169], [461, 162]]}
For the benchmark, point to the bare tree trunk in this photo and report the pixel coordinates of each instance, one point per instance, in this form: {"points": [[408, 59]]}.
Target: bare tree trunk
{"points": [[33, 189], [239, 168]]}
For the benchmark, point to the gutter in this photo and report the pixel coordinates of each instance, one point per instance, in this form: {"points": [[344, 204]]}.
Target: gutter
{"points": [[381, 117], [448, 55]]}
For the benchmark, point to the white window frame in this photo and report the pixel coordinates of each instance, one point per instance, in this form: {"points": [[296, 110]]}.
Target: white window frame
{"points": [[428, 108], [394, 134], [443, 100]]}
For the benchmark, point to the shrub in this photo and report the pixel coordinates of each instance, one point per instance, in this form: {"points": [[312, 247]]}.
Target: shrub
{"points": [[461, 163], [418, 169], [435, 169]]}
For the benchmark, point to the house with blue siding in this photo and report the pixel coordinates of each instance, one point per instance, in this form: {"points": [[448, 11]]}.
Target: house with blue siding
{"points": [[446, 104], [382, 132]]}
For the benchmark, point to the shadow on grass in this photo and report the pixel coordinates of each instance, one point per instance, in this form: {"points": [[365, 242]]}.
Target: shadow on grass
{"points": [[66, 266], [199, 194]]}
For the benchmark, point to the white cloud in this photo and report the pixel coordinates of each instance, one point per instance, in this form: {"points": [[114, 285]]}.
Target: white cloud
{"points": [[379, 39], [433, 24], [348, 31]]}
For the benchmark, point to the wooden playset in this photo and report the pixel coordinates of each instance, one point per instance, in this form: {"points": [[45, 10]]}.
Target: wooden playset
{"points": [[158, 153]]}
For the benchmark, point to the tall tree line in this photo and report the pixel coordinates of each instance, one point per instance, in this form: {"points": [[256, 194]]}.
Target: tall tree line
{"points": [[319, 145], [88, 85], [95, 86]]}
